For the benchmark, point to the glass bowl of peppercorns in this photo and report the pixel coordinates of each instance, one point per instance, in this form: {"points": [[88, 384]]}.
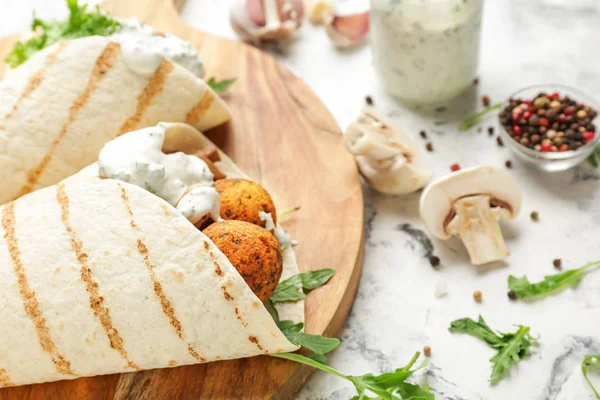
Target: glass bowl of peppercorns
{"points": [[550, 126]]}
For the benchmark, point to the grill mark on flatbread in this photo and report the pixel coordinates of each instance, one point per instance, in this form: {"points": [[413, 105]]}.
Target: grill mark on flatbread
{"points": [[5, 379], [155, 86], [254, 340], [194, 116], [165, 303], [226, 293], [36, 79], [30, 301], [96, 301], [218, 269], [239, 317], [194, 354], [104, 62]]}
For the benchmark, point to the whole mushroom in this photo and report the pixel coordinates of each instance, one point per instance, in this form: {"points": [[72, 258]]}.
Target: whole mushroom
{"points": [[386, 157], [469, 203]]}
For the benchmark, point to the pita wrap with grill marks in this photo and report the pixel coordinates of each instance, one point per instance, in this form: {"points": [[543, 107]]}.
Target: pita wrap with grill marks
{"points": [[59, 108], [100, 276]]}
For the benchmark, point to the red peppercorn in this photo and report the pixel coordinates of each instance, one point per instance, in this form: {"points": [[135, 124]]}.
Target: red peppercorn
{"points": [[588, 136], [581, 105], [517, 130], [526, 114], [563, 147], [516, 114], [527, 101], [569, 111], [562, 118], [454, 167], [532, 109], [544, 122], [546, 147], [554, 96]]}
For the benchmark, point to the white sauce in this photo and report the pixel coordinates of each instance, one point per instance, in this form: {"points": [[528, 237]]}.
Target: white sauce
{"points": [[137, 158], [144, 48], [426, 51], [200, 202], [280, 233]]}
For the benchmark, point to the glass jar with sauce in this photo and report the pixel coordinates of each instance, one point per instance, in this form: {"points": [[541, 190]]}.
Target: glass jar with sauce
{"points": [[426, 51]]}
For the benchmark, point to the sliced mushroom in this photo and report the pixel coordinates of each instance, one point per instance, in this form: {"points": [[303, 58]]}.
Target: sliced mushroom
{"points": [[469, 203], [386, 157], [266, 20]]}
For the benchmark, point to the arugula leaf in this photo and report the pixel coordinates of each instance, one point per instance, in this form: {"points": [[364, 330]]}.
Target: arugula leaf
{"points": [[387, 386], [477, 329], [511, 347], [80, 23], [318, 344], [594, 157], [220, 86], [288, 290], [474, 119], [524, 289], [591, 362]]}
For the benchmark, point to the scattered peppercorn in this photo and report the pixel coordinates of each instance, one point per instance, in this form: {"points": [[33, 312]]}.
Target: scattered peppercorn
{"points": [[427, 351], [434, 261], [508, 164], [485, 100], [423, 134], [512, 295], [476, 81], [557, 263], [454, 167], [549, 122], [369, 100], [499, 141], [477, 296], [429, 146], [535, 216], [491, 131], [478, 129]]}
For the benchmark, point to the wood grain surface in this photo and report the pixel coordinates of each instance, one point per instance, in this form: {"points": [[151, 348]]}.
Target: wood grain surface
{"points": [[284, 137]]}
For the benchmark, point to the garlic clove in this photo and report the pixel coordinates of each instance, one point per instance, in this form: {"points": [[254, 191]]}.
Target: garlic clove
{"points": [[347, 30], [266, 20]]}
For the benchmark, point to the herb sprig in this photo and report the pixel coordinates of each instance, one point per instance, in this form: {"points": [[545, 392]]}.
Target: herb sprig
{"points": [[220, 86], [511, 347], [594, 158], [591, 363], [474, 119], [289, 289], [80, 23], [387, 386], [523, 289]]}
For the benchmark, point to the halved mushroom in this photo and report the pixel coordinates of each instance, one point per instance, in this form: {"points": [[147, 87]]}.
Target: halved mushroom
{"points": [[386, 157], [266, 20], [469, 204]]}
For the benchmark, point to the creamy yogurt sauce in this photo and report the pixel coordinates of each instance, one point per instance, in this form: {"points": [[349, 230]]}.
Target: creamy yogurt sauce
{"points": [[137, 158], [280, 233], [144, 48], [426, 51]]}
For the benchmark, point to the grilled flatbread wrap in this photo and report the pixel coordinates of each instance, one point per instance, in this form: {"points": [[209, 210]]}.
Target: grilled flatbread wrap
{"points": [[59, 108], [100, 276]]}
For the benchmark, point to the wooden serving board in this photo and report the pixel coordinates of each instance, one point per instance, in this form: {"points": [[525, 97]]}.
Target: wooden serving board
{"points": [[285, 138]]}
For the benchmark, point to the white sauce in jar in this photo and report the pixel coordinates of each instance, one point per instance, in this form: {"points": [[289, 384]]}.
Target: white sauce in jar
{"points": [[426, 51], [137, 158], [143, 48]]}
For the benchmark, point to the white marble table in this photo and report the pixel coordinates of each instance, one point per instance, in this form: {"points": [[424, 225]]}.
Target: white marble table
{"points": [[395, 312]]}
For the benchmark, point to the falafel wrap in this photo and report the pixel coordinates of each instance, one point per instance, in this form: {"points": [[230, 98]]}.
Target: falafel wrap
{"points": [[109, 271], [62, 105]]}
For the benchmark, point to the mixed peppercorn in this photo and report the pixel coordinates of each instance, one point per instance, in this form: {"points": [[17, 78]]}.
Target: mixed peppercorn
{"points": [[549, 122]]}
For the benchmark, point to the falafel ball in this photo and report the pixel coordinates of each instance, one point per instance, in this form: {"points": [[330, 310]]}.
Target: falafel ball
{"points": [[242, 200], [253, 251]]}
